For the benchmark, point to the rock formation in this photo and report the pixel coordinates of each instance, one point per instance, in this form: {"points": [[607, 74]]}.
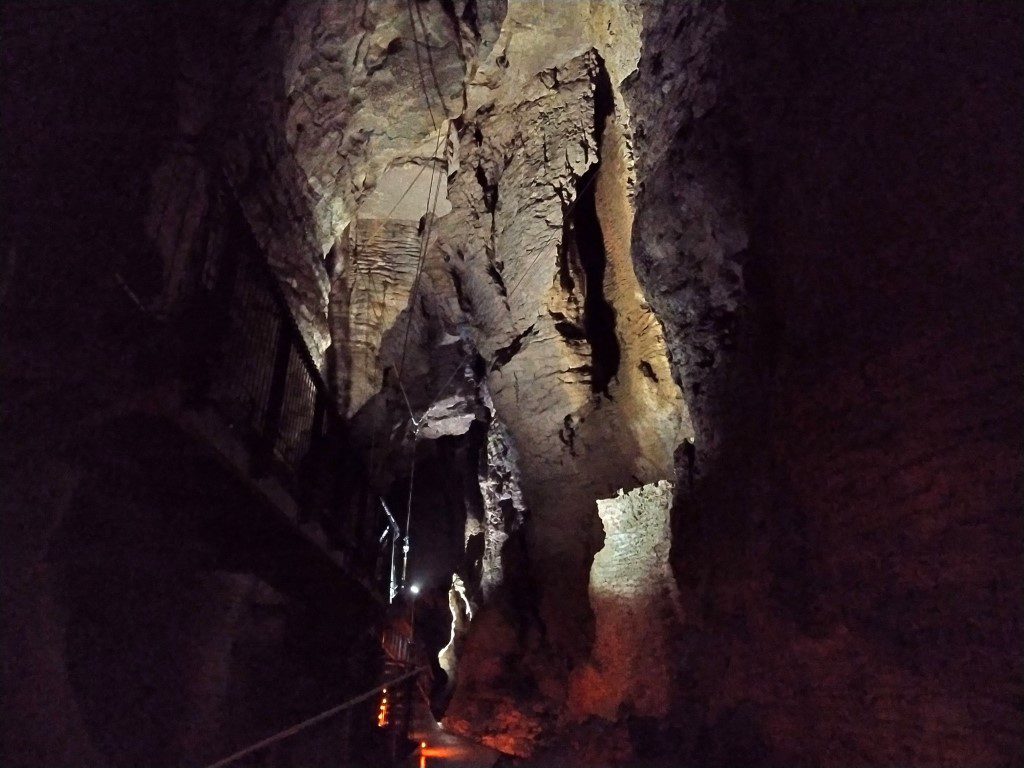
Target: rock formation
{"points": [[684, 334], [470, 173]]}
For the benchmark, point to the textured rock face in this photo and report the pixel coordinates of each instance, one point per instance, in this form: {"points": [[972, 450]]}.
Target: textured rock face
{"points": [[470, 170], [810, 232], [577, 365], [456, 182], [636, 607], [503, 242], [538, 248], [372, 288], [503, 507]]}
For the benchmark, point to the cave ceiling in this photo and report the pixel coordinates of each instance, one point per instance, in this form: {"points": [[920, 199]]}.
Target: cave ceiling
{"points": [[465, 171]]}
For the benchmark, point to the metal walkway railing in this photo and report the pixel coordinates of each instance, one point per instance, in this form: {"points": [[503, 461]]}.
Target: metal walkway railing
{"points": [[249, 365], [399, 727]]}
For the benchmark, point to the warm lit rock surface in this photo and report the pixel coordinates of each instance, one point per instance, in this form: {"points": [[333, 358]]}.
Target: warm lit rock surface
{"points": [[516, 140], [536, 246], [636, 609]]}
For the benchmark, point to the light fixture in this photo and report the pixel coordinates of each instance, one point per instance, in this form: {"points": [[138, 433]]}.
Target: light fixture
{"points": [[415, 589]]}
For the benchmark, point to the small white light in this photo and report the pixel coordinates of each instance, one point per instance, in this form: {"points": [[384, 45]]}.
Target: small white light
{"points": [[415, 589]]}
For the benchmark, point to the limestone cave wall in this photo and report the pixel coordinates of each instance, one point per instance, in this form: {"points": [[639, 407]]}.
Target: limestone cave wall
{"points": [[445, 191], [829, 227], [688, 334]]}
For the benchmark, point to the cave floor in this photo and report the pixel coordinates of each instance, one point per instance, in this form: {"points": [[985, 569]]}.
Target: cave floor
{"points": [[444, 748]]}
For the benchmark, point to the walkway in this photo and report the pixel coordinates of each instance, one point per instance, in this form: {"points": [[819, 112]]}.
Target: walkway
{"points": [[445, 749]]}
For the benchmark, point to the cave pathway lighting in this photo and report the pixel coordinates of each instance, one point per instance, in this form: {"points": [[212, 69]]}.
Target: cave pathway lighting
{"points": [[414, 589]]}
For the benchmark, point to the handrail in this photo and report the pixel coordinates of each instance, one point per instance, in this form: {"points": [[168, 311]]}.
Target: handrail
{"points": [[325, 715], [274, 284], [245, 362], [290, 397]]}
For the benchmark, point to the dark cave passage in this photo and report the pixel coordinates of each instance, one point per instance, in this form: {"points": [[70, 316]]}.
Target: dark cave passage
{"points": [[729, 474], [587, 244], [598, 314]]}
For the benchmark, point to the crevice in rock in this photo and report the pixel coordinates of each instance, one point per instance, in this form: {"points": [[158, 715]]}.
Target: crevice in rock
{"points": [[465, 303], [499, 281], [448, 6], [587, 240], [471, 18], [426, 46], [569, 330], [568, 261], [503, 355], [490, 191], [567, 434]]}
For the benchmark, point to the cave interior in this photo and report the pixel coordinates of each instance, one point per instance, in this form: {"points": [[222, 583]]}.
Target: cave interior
{"points": [[623, 382]]}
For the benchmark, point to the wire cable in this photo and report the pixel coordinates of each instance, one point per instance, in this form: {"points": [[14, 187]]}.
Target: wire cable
{"points": [[432, 197], [419, 66], [430, 60]]}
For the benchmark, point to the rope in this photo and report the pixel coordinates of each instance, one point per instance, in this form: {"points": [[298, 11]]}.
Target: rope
{"points": [[460, 364], [433, 122], [420, 260], [430, 110], [407, 545], [298, 727], [423, 87], [416, 423], [412, 478], [431, 209], [430, 59], [432, 196], [405, 396], [419, 66]]}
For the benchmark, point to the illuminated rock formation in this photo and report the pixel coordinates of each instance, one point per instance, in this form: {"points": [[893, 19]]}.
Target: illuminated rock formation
{"points": [[684, 335], [636, 608]]}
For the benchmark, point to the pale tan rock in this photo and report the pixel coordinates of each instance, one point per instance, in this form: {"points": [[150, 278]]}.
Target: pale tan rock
{"points": [[409, 200], [636, 607]]}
